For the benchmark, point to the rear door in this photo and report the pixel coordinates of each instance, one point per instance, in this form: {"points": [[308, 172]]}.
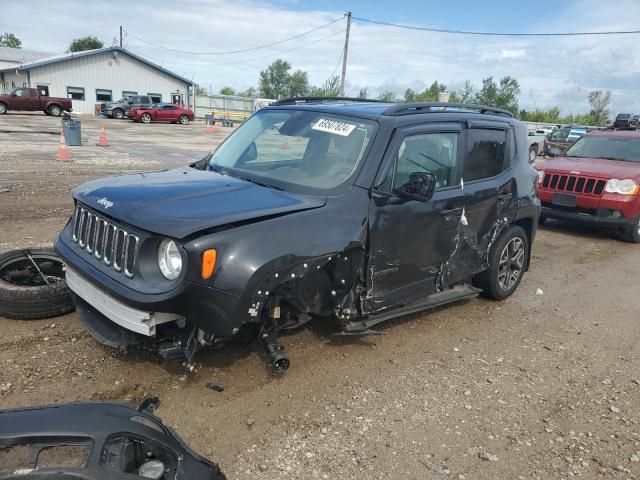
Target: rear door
{"points": [[490, 193]]}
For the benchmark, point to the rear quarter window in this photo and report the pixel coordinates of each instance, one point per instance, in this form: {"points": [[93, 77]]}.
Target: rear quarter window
{"points": [[485, 154]]}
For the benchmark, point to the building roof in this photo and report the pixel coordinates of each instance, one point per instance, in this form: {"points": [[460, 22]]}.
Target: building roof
{"points": [[40, 62], [20, 55]]}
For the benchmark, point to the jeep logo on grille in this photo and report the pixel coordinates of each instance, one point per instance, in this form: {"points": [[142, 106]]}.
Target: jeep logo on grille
{"points": [[105, 202]]}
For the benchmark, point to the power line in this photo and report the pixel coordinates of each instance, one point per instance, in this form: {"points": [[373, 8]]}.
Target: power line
{"points": [[237, 51], [494, 34]]}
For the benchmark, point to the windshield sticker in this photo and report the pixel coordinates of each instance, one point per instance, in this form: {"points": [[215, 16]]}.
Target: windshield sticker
{"points": [[333, 126]]}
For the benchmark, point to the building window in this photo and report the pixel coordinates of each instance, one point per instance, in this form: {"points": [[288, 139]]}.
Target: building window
{"points": [[155, 97], [44, 90], [128, 93], [75, 93], [103, 95]]}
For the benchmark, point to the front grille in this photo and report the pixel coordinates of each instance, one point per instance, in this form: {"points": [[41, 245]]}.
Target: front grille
{"points": [[574, 184], [105, 240]]}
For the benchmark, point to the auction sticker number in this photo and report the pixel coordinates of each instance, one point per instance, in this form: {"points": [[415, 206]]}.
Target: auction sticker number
{"points": [[334, 126]]}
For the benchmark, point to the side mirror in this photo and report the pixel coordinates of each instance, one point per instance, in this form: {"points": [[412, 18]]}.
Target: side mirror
{"points": [[419, 187], [251, 153]]}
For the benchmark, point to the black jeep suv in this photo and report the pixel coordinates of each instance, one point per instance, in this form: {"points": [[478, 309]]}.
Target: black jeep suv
{"points": [[343, 209]]}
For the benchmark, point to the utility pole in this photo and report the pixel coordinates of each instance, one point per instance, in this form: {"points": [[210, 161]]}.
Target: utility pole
{"points": [[344, 54], [120, 36]]}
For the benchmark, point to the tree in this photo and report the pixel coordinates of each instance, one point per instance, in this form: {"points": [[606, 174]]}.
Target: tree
{"points": [[201, 91], [85, 43], [330, 88], [363, 93], [298, 84], [503, 96], [274, 80], [249, 92], [227, 91], [387, 96], [10, 40], [599, 102], [428, 95], [465, 94]]}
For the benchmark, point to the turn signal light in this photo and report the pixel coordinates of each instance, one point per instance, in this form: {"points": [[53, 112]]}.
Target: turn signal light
{"points": [[208, 263]]}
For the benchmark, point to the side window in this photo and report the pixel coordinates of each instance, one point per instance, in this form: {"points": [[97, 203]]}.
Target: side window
{"points": [[75, 93], [434, 153], [33, 93], [23, 92], [485, 155]]}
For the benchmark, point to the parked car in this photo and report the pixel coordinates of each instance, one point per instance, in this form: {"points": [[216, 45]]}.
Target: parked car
{"points": [[121, 108], [162, 112], [334, 208], [535, 140], [559, 140], [32, 100], [626, 121], [596, 181]]}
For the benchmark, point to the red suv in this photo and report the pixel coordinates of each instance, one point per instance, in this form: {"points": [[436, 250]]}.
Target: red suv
{"points": [[596, 180]]}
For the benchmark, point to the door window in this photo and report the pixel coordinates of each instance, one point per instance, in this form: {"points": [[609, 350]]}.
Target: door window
{"points": [[435, 153], [485, 154], [22, 92]]}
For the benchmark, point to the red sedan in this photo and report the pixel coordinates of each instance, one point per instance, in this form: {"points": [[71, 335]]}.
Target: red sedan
{"points": [[161, 112]]}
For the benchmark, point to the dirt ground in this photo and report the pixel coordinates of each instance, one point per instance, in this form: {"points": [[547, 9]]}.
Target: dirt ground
{"points": [[539, 386]]}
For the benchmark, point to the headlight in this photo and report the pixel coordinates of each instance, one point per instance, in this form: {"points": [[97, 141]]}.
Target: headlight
{"points": [[624, 187], [169, 259]]}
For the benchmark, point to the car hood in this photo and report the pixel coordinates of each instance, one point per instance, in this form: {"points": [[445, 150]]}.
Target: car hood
{"points": [[594, 167], [183, 201]]}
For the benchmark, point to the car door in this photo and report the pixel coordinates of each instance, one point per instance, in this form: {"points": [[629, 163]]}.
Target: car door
{"points": [[168, 113], [21, 99], [490, 192], [411, 242]]}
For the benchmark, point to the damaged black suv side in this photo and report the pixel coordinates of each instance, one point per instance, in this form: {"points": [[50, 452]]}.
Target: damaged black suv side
{"points": [[349, 211]]}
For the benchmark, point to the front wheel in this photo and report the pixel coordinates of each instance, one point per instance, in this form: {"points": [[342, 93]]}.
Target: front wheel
{"points": [[632, 233], [55, 110], [145, 118], [118, 114], [183, 120], [508, 259], [532, 155], [3, 109]]}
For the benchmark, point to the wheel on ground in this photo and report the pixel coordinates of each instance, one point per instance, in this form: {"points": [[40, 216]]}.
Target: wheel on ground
{"points": [[3, 109], [145, 118], [632, 233], [532, 155], [32, 285], [45, 112], [118, 113], [55, 110], [508, 259], [184, 120]]}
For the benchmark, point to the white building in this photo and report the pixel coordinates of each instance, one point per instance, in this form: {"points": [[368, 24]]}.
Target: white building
{"points": [[97, 76]]}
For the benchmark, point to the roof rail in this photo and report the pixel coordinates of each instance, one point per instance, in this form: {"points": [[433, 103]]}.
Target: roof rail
{"points": [[296, 100], [430, 107]]}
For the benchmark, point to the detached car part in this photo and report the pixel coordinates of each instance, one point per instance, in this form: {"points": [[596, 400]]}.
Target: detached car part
{"points": [[95, 441]]}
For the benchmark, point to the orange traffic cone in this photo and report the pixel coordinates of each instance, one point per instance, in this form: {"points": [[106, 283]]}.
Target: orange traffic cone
{"points": [[102, 141], [63, 151], [285, 145]]}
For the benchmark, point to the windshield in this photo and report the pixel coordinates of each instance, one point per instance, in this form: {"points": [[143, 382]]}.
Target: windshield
{"points": [[308, 149], [613, 148]]}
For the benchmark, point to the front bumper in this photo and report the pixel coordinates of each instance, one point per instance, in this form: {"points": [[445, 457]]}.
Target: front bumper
{"points": [[600, 217], [210, 309]]}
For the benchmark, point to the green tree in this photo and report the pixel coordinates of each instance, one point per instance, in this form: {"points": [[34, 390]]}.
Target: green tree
{"points": [[504, 95], [600, 102], [227, 91], [275, 79], [249, 92], [85, 43], [201, 91], [330, 88], [465, 94], [10, 40], [363, 93], [387, 96], [298, 84], [428, 95]]}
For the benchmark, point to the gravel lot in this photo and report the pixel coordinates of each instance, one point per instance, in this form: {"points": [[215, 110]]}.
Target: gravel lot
{"points": [[539, 386]]}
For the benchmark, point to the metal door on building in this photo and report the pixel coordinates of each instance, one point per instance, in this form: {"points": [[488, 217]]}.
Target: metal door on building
{"points": [[176, 98]]}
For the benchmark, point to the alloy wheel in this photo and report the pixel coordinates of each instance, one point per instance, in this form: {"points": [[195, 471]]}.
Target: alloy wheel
{"points": [[511, 263]]}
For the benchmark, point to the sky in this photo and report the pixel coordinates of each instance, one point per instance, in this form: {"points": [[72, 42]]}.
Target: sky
{"points": [[552, 71]]}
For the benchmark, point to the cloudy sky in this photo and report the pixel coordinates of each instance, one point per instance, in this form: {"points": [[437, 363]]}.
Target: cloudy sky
{"points": [[551, 70]]}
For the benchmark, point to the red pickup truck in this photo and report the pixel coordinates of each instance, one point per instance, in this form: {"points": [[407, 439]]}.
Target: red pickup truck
{"points": [[30, 99]]}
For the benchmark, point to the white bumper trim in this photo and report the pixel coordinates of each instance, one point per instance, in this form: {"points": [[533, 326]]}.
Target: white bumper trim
{"points": [[128, 317]]}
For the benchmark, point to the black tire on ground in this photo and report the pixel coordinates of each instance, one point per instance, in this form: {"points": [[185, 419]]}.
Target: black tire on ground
{"points": [[118, 113], [632, 234], [145, 118], [507, 260], [183, 120], [55, 110], [532, 154], [45, 112], [24, 294], [3, 108]]}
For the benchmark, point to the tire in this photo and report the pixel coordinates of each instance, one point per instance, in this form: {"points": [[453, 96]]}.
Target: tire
{"points": [[45, 112], [145, 118], [507, 261], [118, 114], [533, 153], [183, 120], [54, 110], [3, 108], [632, 234], [24, 295]]}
